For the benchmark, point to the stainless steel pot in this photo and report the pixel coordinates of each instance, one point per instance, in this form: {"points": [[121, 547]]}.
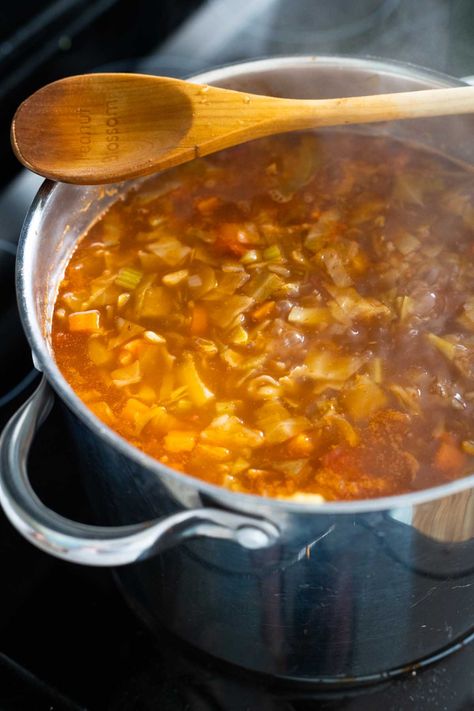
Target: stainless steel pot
{"points": [[336, 593]]}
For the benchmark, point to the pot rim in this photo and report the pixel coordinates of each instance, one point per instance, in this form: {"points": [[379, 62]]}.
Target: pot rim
{"points": [[44, 361]]}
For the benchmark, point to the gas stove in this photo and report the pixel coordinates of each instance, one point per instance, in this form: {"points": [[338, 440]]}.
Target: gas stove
{"points": [[68, 640]]}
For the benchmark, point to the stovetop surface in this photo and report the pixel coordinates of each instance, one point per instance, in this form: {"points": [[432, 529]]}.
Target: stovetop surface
{"points": [[67, 638]]}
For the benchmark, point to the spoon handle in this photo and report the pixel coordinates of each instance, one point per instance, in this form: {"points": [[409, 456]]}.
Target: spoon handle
{"points": [[369, 109]]}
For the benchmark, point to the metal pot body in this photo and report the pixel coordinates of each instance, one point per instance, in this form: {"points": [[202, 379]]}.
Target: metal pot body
{"points": [[348, 591]]}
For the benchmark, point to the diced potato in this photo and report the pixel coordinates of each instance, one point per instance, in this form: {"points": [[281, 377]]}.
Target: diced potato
{"points": [[85, 321], [212, 452], [179, 441]]}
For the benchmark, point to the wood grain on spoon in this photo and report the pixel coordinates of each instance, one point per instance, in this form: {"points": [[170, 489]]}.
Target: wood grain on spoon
{"points": [[103, 128]]}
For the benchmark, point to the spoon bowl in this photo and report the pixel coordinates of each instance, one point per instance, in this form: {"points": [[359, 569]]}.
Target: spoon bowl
{"points": [[104, 128]]}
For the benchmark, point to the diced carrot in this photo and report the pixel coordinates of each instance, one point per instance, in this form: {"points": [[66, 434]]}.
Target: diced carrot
{"points": [[88, 321], [449, 458], [198, 320], [233, 238], [262, 311]]}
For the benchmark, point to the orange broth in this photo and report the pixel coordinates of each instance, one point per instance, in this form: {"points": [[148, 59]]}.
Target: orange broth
{"points": [[293, 317]]}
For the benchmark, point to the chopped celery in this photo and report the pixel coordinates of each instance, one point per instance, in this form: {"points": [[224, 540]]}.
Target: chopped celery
{"points": [[128, 278], [272, 253]]}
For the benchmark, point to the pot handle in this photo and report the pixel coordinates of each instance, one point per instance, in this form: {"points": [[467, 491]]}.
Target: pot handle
{"points": [[97, 545]]}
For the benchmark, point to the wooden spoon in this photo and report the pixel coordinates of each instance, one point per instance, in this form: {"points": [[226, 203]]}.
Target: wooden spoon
{"points": [[103, 128]]}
